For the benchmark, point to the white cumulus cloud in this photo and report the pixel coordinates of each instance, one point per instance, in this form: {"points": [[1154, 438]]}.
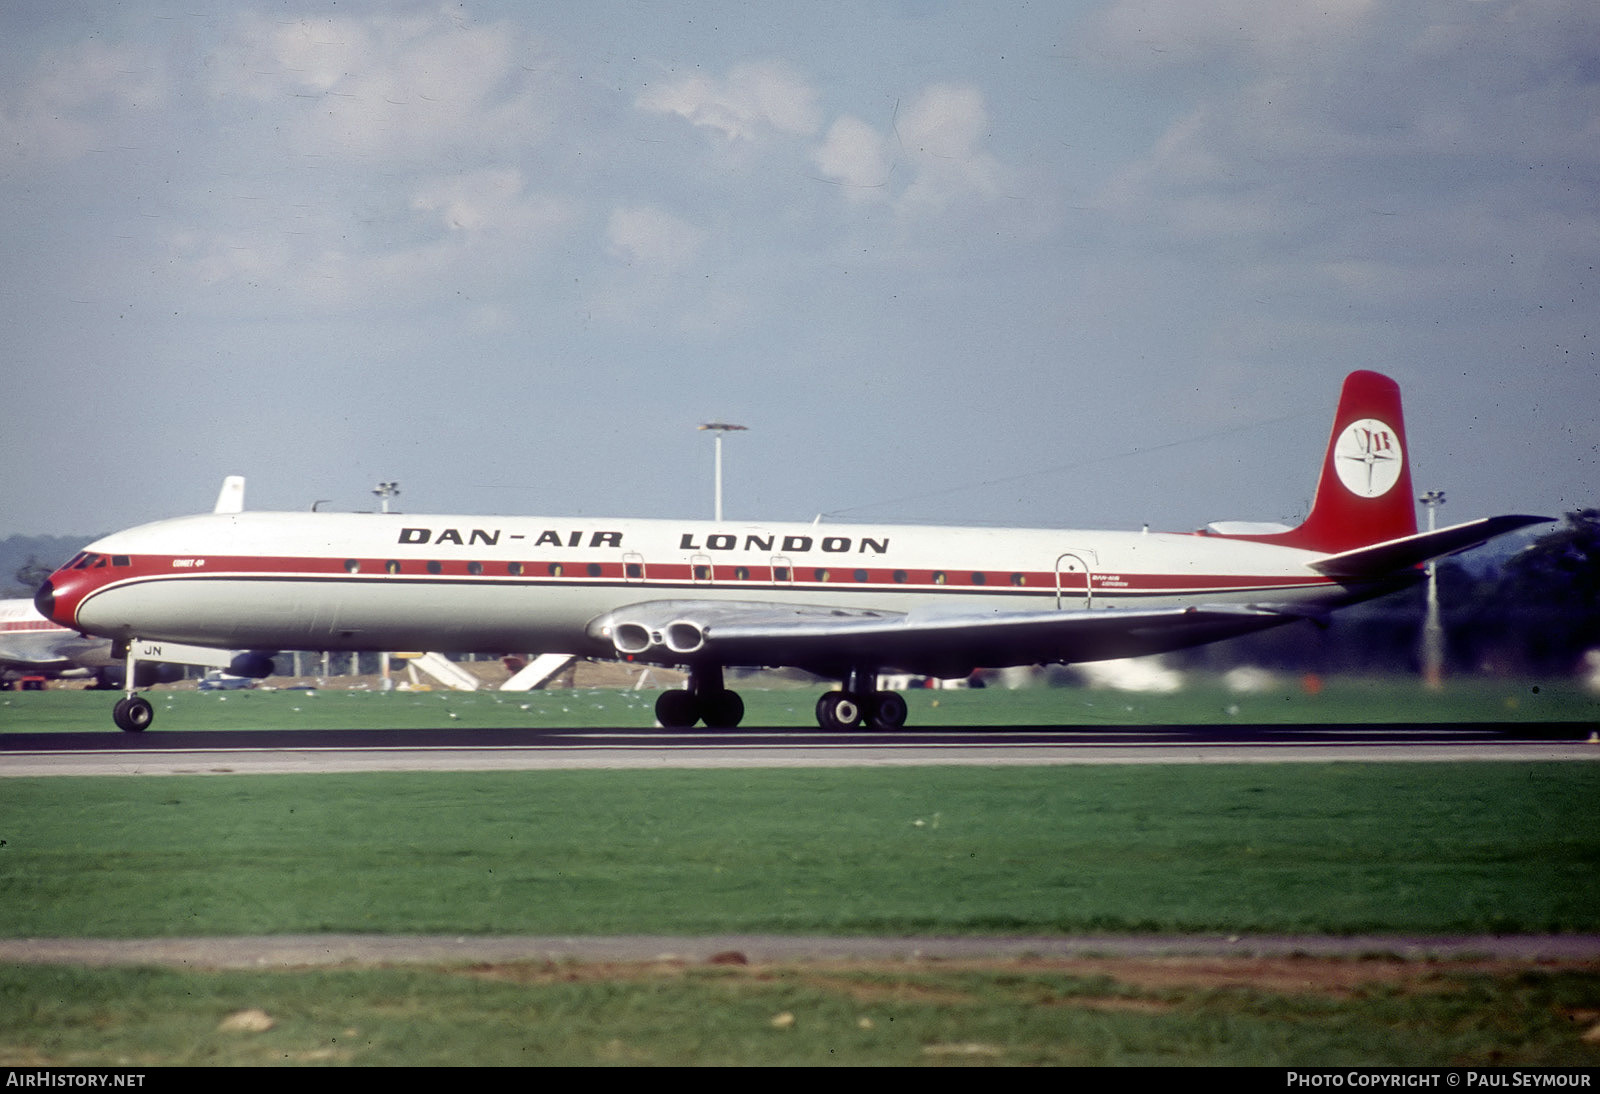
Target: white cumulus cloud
{"points": [[935, 156], [753, 99], [857, 157], [401, 86]]}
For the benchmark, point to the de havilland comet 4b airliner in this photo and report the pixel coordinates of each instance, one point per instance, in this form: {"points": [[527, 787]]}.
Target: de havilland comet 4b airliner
{"points": [[843, 601]]}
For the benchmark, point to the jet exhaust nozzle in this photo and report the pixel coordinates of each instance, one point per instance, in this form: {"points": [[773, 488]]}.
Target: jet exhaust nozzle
{"points": [[684, 637], [256, 665], [679, 637], [631, 637]]}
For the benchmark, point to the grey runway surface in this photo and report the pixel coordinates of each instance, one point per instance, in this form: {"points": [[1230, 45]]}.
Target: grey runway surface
{"points": [[323, 751]]}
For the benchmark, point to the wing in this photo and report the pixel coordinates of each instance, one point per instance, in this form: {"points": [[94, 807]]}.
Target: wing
{"points": [[830, 641]]}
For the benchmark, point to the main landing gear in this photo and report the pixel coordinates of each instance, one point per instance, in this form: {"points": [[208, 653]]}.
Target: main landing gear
{"points": [[857, 705], [704, 700], [881, 710], [708, 700]]}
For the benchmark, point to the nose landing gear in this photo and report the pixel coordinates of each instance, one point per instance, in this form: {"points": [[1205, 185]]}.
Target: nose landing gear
{"points": [[133, 714]]}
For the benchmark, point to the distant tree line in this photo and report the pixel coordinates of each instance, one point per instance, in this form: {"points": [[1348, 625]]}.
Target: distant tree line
{"points": [[1540, 611], [1536, 611], [25, 561]]}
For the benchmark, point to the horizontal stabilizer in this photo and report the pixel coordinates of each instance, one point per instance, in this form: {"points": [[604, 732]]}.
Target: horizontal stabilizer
{"points": [[1400, 554]]}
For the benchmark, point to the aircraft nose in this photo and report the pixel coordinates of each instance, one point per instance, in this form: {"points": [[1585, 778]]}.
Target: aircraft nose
{"points": [[45, 599]]}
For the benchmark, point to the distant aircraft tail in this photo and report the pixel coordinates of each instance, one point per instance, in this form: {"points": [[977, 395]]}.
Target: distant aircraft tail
{"points": [[1364, 494], [230, 499]]}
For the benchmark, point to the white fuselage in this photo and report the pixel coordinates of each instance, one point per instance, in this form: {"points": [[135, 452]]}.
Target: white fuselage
{"points": [[522, 584]]}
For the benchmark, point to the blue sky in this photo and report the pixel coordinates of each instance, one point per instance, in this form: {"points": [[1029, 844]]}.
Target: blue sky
{"points": [[1078, 264]]}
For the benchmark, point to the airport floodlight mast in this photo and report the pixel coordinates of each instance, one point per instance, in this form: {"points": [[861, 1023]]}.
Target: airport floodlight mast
{"points": [[1432, 629], [385, 491], [719, 428]]}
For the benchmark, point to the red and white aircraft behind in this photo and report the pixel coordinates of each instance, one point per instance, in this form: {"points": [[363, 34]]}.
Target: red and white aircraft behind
{"points": [[846, 601], [32, 646], [35, 648]]}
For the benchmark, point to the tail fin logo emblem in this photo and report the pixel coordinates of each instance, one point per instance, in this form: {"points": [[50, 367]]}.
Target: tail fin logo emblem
{"points": [[1368, 458]]}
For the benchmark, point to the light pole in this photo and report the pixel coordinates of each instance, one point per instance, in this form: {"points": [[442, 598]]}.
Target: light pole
{"points": [[719, 428], [1432, 629], [385, 491]]}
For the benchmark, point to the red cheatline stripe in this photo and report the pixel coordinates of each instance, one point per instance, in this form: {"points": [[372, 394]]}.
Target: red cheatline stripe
{"points": [[1042, 582]]}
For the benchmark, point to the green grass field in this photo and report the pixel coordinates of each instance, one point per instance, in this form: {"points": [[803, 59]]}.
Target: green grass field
{"points": [[1341, 848], [1322, 848], [1204, 701], [805, 1015], [1348, 847]]}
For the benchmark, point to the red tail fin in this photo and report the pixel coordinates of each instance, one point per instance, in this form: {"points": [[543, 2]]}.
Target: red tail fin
{"points": [[1364, 494]]}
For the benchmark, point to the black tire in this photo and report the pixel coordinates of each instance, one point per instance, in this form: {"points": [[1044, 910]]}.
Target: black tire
{"points": [[721, 709], [838, 711], [889, 711], [133, 715], [677, 709]]}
